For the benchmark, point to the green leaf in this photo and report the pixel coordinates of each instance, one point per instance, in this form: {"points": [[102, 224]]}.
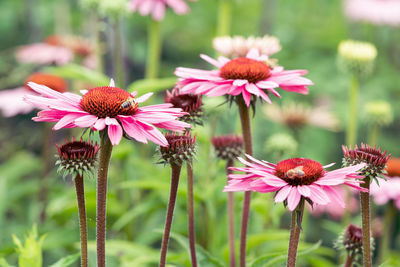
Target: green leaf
{"points": [[4, 263], [66, 261], [152, 85], [80, 73], [29, 253]]}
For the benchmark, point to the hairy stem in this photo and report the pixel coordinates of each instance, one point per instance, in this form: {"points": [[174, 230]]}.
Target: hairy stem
{"points": [[295, 234], [231, 221], [351, 136], [248, 148], [80, 196], [154, 49], [105, 155], [176, 170], [349, 260], [190, 210], [366, 228]]}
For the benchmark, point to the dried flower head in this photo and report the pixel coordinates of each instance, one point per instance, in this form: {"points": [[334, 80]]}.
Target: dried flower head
{"points": [[228, 147], [189, 103], [239, 46], [281, 145], [77, 157], [52, 81], [180, 149], [357, 57], [374, 158], [378, 113]]}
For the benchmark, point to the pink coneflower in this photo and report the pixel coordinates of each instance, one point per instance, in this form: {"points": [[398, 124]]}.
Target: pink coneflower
{"points": [[378, 12], [58, 50], [157, 7], [294, 179], [107, 106], [247, 76], [11, 101]]}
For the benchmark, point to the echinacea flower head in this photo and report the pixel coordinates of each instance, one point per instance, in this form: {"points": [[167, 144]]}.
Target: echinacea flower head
{"points": [[351, 241], [376, 12], [189, 103], [156, 8], [293, 180], [297, 115], [378, 113], [357, 57], [228, 147], [374, 158], [77, 157], [239, 46], [389, 189], [249, 77], [181, 148], [11, 100], [107, 108]]}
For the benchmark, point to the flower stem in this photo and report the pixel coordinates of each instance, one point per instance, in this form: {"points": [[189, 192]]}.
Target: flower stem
{"points": [[349, 260], [384, 247], [224, 17], [190, 210], [105, 155], [295, 233], [351, 137], [231, 221], [373, 135], [176, 170], [154, 49], [366, 228], [118, 55], [80, 196], [244, 114]]}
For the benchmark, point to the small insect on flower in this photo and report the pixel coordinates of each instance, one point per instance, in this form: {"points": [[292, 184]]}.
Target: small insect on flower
{"points": [[295, 173], [130, 102]]}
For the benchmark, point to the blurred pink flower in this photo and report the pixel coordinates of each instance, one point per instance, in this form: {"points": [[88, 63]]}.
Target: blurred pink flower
{"points": [[157, 7], [11, 101], [334, 209], [247, 76], [107, 106], [378, 12], [59, 50], [294, 179], [43, 54]]}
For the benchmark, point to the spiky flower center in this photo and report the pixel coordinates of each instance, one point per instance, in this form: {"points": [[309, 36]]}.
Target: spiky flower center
{"points": [[245, 69], [186, 102], [299, 171], [353, 239], [108, 102], [52, 81], [228, 147], [180, 148], [77, 157]]}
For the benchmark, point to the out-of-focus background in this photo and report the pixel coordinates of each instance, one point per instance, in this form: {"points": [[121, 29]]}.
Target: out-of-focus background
{"points": [[309, 32]]}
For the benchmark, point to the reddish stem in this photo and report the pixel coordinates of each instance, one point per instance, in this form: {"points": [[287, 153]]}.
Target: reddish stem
{"points": [[366, 228], [176, 170], [295, 234], [248, 148], [80, 196], [349, 260], [231, 221], [101, 213]]}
